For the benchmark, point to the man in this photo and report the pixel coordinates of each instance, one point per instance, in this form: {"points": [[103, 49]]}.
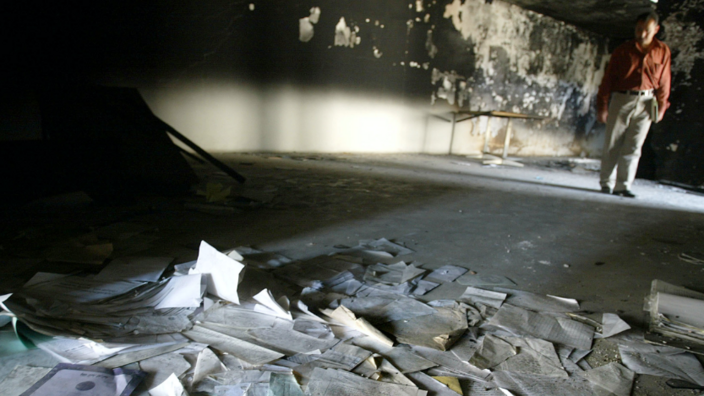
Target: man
{"points": [[637, 80]]}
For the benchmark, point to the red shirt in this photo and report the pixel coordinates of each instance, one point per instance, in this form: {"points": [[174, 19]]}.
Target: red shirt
{"points": [[626, 72]]}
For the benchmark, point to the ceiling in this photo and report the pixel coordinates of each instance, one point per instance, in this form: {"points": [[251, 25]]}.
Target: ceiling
{"points": [[611, 18]]}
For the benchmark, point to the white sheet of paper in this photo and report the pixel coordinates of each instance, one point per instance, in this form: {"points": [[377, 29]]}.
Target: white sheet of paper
{"points": [[611, 324], [171, 387], [348, 318], [223, 271], [144, 269], [486, 297], [184, 291], [265, 298]]}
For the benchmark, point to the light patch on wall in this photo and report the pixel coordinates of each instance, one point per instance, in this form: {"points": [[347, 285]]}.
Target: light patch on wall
{"points": [[227, 117]]}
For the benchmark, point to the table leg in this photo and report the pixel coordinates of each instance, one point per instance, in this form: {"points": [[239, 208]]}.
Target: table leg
{"points": [[508, 138], [486, 134]]}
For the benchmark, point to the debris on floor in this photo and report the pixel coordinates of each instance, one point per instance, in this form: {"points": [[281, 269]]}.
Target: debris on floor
{"points": [[360, 321], [676, 316]]}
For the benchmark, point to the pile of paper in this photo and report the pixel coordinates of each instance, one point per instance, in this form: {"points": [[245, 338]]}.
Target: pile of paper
{"points": [[359, 322]]}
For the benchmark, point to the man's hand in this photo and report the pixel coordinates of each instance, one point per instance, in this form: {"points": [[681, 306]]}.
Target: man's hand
{"points": [[601, 116], [661, 114]]}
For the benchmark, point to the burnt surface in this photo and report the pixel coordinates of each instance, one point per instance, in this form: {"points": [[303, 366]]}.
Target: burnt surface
{"points": [[678, 141], [612, 18]]}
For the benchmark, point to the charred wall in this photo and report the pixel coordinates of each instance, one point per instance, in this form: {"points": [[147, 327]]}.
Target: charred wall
{"points": [[678, 141], [248, 75]]}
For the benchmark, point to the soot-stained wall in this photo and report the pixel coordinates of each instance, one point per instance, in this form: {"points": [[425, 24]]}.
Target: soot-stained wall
{"points": [[678, 141], [506, 58], [325, 75]]}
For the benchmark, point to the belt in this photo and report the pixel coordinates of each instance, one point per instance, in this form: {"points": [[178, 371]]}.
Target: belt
{"points": [[637, 93]]}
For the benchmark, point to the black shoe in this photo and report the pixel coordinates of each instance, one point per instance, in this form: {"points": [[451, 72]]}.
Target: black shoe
{"points": [[625, 193], [606, 190]]}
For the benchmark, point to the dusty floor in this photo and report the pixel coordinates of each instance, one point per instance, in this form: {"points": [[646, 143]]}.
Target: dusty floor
{"points": [[545, 227]]}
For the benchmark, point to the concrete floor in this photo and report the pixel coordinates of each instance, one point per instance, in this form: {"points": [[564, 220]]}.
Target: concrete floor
{"points": [[547, 229]]}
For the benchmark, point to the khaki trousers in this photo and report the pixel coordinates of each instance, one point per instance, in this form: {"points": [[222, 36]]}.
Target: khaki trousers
{"points": [[626, 128]]}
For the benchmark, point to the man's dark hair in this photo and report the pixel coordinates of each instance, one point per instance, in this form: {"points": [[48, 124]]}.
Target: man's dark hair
{"points": [[646, 16]]}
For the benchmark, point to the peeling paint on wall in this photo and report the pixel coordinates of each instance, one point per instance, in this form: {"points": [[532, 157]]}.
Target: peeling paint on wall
{"points": [[346, 36], [306, 30]]}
